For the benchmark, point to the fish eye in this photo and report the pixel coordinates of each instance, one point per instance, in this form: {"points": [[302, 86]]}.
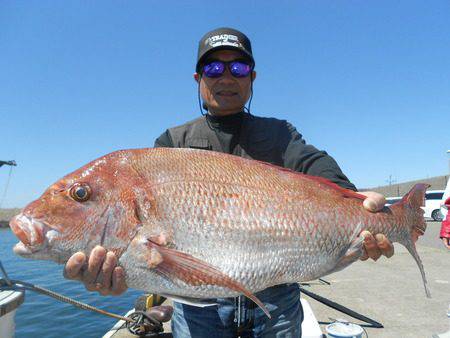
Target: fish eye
{"points": [[80, 192]]}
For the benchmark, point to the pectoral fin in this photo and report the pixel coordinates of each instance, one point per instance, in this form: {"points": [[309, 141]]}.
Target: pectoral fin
{"points": [[177, 265]]}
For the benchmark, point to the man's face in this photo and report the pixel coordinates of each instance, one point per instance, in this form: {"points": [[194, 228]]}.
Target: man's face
{"points": [[225, 95]]}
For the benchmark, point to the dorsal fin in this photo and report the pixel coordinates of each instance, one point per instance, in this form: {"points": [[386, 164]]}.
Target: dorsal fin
{"points": [[416, 196], [343, 191]]}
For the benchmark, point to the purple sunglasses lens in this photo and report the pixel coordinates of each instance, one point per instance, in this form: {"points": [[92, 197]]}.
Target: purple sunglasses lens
{"points": [[217, 68], [240, 69], [214, 69]]}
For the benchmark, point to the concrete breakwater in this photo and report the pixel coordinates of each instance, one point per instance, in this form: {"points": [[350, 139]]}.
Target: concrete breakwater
{"points": [[5, 216]]}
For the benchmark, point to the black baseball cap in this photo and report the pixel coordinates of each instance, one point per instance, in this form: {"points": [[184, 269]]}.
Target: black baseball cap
{"points": [[223, 38]]}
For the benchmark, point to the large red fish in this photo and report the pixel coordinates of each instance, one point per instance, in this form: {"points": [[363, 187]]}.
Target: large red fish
{"points": [[200, 224]]}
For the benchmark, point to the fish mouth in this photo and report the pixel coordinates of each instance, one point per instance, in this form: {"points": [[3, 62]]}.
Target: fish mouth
{"points": [[31, 233], [22, 250]]}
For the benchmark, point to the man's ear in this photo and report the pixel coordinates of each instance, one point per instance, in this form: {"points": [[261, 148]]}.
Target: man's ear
{"points": [[253, 76], [197, 77]]}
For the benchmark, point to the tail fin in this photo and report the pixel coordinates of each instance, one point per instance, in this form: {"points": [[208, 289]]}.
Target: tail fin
{"points": [[415, 199], [412, 202]]}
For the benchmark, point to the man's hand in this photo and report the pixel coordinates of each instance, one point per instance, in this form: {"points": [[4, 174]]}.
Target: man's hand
{"points": [[101, 273], [374, 201], [379, 245]]}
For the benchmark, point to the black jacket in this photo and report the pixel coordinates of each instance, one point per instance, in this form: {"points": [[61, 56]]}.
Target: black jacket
{"points": [[265, 139]]}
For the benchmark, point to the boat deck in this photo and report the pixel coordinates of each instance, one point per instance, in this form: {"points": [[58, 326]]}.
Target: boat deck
{"points": [[9, 302], [309, 325]]}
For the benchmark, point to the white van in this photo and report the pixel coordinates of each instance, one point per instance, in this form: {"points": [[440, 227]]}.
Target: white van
{"points": [[392, 200], [433, 201]]}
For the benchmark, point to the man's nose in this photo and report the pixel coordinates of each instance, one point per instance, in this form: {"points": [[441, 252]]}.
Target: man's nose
{"points": [[227, 76]]}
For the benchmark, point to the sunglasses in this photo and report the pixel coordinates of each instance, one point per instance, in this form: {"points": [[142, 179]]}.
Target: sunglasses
{"points": [[217, 68]]}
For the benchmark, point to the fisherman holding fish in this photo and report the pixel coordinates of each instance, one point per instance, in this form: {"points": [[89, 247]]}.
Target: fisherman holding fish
{"points": [[224, 74]]}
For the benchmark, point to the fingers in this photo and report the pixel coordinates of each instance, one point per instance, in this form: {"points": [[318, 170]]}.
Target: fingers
{"points": [[95, 263], [74, 266], [118, 282], [100, 274], [104, 278], [376, 246], [103, 274], [385, 245], [370, 246], [113, 277], [374, 201]]}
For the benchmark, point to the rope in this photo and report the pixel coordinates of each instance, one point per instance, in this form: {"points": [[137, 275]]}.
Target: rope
{"points": [[6, 187], [65, 299], [138, 323], [11, 284]]}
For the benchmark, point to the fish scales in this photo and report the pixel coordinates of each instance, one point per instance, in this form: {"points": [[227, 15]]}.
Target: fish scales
{"points": [[202, 224], [236, 190]]}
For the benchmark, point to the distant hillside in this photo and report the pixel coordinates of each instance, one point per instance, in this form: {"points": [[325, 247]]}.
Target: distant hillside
{"points": [[399, 189], [5, 216]]}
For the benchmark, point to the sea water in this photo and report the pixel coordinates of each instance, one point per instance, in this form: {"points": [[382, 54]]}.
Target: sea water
{"points": [[42, 316]]}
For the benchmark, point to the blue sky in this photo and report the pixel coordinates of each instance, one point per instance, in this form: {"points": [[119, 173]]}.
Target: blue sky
{"points": [[367, 81]]}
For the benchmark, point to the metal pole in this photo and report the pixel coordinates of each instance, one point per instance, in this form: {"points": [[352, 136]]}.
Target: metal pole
{"points": [[11, 164], [448, 153]]}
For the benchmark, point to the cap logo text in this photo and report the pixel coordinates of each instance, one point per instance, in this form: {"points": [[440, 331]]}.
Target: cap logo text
{"points": [[223, 40]]}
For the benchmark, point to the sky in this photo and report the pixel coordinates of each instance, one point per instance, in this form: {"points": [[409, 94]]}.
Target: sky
{"points": [[367, 81]]}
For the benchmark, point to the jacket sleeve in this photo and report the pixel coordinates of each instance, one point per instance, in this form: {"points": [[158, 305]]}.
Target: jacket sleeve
{"points": [[445, 228], [164, 140], [304, 158]]}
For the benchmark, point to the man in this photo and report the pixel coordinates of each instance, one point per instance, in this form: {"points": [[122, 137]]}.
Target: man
{"points": [[224, 74]]}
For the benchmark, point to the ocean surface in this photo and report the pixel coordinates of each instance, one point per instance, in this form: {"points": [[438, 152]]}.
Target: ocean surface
{"points": [[42, 316]]}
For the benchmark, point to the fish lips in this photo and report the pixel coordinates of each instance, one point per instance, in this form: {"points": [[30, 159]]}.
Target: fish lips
{"points": [[31, 233]]}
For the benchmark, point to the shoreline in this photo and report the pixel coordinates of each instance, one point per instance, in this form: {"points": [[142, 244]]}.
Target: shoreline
{"points": [[6, 215]]}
